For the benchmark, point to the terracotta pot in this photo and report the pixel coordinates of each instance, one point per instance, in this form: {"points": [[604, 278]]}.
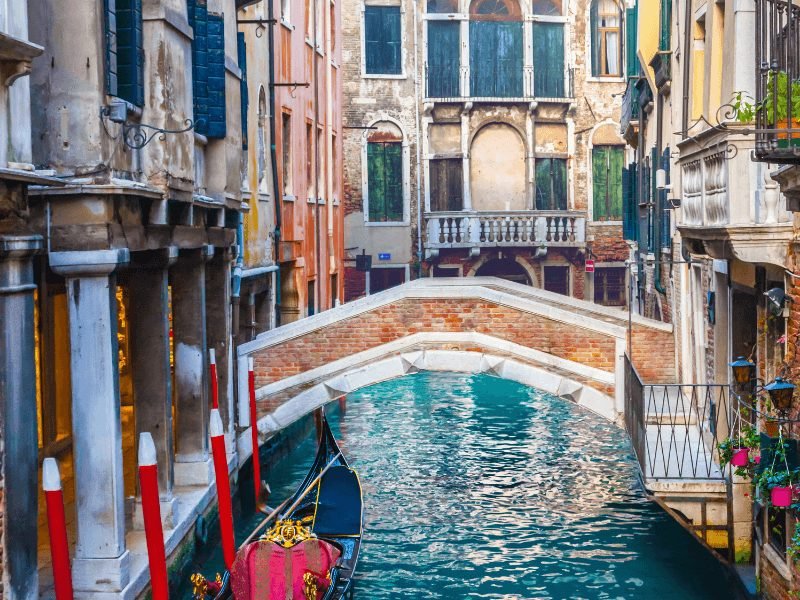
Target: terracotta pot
{"points": [[783, 136], [771, 428]]}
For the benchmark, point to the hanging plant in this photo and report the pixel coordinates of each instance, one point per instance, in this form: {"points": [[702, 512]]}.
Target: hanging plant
{"points": [[739, 451], [776, 482]]}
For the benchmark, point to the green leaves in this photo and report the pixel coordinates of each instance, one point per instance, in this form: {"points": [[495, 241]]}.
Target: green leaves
{"points": [[775, 104]]}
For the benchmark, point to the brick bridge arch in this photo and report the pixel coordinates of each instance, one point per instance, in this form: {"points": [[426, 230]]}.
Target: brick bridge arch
{"points": [[562, 345]]}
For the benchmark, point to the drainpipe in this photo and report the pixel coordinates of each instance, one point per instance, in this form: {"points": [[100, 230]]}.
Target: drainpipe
{"points": [[658, 216], [419, 142], [236, 284], [273, 155]]}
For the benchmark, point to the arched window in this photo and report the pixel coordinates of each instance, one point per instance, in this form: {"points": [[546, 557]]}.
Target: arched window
{"points": [[384, 195], [606, 34], [495, 32], [442, 6], [548, 8], [261, 143]]}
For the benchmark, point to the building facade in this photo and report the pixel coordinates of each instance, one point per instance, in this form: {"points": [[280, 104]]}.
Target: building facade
{"points": [[483, 139]]}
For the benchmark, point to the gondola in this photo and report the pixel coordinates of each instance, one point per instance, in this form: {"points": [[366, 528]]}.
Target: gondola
{"points": [[310, 546]]}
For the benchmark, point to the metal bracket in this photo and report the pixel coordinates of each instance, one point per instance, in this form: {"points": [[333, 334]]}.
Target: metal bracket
{"points": [[137, 135], [260, 22]]}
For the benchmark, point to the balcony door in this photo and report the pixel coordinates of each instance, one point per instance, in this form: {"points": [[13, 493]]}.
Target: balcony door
{"points": [[444, 59], [495, 48]]}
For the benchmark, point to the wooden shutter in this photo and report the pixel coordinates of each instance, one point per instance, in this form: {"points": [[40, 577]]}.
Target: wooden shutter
{"points": [[111, 46], [548, 59], [559, 175], [666, 21], [664, 212], [595, 38], [495, 59], [443, 59], [551, 184], [600, 182], [543, 187], [130, 51], [198, 13], [385, 181], [632, 61], [375, 182], [216, 77], [630, 206], [241, 48], [382, 42], [615, 162], [447, 185]]}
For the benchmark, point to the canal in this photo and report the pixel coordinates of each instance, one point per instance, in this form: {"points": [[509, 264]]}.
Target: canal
{"points": [[478, 487]]}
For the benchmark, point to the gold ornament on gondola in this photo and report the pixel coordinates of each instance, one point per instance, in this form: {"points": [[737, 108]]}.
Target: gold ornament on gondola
{"points": [[288, 533], [310, 590], [202, 587]]}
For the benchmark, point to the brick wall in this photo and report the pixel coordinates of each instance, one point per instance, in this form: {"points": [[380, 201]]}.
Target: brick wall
{"points": [[773, 585], [652, 349], [355, 283]]}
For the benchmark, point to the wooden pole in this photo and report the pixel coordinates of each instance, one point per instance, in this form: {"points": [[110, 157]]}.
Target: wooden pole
{"points": [[57, 527], [151, 511]]}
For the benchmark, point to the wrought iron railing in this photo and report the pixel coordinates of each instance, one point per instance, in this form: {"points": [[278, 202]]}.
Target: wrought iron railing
{"points": [[777, 98], [452, 82], [634, 412], [630, 106], [505, 228]]}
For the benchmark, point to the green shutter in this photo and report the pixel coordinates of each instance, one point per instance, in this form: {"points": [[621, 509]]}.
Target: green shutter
{"points": [[443, 59], [548, 59], [382, 40], [600, 183], [666, 21], [241, 49], [198, 13], [595, 37], [393, 164], [616, 156], [385, 181], [111, 46], [560, 183], [130, 51], [551, 184], [632, 61], [216, 77], [495, 59], [375, 182]]}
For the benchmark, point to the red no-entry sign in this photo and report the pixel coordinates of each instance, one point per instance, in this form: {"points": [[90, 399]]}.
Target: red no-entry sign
{"points": [[589, 266]]}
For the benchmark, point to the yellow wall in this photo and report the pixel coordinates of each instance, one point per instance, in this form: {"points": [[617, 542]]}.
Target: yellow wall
{"points": [[649, 19]]}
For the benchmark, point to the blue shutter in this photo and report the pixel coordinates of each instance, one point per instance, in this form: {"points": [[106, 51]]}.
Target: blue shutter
{"points": [[241, 48], [665, 212], [382, 41], [495, 59], [630, 203], [443, 59], [198, 13], [130, 51], [110, 25], [216, 77], [631, 44], [548, 60]]}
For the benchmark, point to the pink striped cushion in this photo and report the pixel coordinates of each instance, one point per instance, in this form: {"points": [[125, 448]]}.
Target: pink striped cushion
{"points": [[266, 571]]}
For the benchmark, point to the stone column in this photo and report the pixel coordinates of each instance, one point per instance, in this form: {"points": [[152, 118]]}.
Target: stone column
{"points": [[188, 279], [18, 435], [101, 562], [148, 287], [218, 331]]}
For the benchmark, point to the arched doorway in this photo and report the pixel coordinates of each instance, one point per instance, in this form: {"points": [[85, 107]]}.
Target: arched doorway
{"points": [[504, 268]]}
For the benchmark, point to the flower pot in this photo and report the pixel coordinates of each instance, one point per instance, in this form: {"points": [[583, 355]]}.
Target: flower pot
{"points": [[740, 457], [771, 428], [781, 497], [784, 140]]}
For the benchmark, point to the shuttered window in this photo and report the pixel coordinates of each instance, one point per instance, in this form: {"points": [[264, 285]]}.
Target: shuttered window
{"points": [[607, 164], [241, 48], [630, 203], [208, 70], [548, 59], [124, 40], [385, 181], [605, 20], [443, 59], [447, 184], [495, 49], [551, 184], [382, 40]]}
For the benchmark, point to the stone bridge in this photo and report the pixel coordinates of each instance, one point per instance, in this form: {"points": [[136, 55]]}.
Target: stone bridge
{"points": [[568, 347]]}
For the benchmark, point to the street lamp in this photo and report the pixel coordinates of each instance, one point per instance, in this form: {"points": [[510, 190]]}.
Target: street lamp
{"points": [[744, 373], [780, 393]]}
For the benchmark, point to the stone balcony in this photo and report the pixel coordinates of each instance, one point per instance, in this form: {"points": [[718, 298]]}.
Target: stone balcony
{"points": [[475, 230]]}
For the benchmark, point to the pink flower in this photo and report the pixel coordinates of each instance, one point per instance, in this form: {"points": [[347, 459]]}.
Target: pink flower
{"points": [[782, 339]]}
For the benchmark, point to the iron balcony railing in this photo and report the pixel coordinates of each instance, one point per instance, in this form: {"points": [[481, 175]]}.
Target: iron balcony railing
{"points": [[505, 228], [451, 82], [630, 107], [777, 97]]}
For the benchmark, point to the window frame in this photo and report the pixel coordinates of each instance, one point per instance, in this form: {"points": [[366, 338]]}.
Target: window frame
{"points": [[367, 209], [364, 74], [621, 149], [591, 76], [405, 172], [552, 157], [368, 276], [287, 177]]}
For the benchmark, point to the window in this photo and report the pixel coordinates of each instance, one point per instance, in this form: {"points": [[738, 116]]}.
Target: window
{"points": [[312, 306], [776, 527], [335, 289], [444, 48], [447, 184], [495, 32], [309, 159], [321, 187], [382, 40], [609, 286], [285, 10], [385, 181], [383, 278], [556, 279], [208, 71], [124, 50], [548, 8], [551, 184], [335, 166], [548, 59], [286, 152], [607, 182], [606, 23], [309, 24], [442, 6], [446, 271], [241, 49]]}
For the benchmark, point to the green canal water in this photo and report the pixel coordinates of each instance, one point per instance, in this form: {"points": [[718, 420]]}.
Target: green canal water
{"points": [[477, 487]]}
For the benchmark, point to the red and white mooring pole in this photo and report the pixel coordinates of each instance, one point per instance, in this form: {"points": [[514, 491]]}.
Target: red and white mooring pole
{"points": [[57, 527], [151, 511], [223, 488], [212, 367], [251, 384]]}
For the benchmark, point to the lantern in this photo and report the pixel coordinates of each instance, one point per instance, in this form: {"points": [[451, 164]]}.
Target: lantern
{"points": [[780, 393], [744, 373]]}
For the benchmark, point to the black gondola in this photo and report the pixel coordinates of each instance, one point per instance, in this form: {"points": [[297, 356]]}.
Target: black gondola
{"points": [[324, 520]]}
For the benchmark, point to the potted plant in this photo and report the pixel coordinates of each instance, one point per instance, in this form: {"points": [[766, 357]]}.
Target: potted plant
{"points": [[775, 106], [776, 485], [737, 451]]}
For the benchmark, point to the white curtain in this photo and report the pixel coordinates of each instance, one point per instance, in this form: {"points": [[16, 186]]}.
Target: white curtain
{"points": [[612, 53]]}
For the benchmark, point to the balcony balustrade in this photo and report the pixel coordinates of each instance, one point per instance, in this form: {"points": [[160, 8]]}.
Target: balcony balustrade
{"points": [[630, 108], [777, 97], [451, 83], [505, 229]]}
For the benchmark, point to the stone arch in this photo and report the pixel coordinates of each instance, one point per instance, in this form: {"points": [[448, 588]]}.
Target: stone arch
{"points": [[606, 133], [533, 276], [460, 361], [497, 174]]}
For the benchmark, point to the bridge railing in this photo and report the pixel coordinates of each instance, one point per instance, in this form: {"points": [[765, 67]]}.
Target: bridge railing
{"points": [[635, 412]]}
